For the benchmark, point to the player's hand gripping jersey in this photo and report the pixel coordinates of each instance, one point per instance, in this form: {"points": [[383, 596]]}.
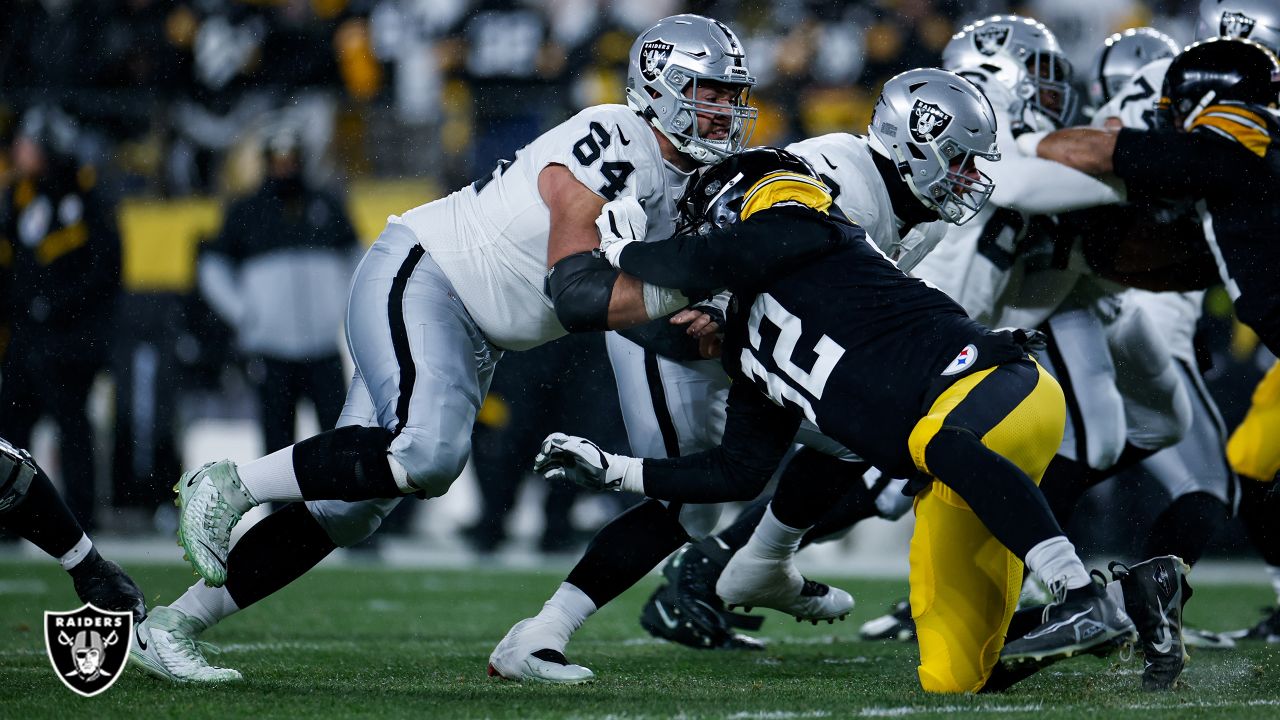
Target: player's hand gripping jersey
{"points": [[490, 238]]}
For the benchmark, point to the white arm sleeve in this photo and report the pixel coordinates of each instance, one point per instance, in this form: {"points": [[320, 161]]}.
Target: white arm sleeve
{"points": [[1042, 187], [220, 289]]}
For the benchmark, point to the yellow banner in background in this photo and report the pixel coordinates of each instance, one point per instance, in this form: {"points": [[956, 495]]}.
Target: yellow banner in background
{"points": [[161, 237]]}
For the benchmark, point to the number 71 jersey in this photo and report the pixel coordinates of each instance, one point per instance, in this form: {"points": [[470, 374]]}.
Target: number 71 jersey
{"points": [[490, 238]]}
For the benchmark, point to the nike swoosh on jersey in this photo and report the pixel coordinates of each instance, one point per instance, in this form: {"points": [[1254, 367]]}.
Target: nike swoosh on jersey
{"points": [[667, 620], [832, 165], [622, 138]]}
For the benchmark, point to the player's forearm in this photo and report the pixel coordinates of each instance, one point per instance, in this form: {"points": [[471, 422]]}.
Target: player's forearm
{"points": [[1088, 150], [1037, 186], [626, 305], [710, 476]]}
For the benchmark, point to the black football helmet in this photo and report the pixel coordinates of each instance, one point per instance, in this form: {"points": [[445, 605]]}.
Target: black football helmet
{"points": [[716, 198], [1216, 70]]}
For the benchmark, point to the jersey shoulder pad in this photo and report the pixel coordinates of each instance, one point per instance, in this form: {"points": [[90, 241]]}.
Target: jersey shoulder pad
{"points": [[608, 148]]}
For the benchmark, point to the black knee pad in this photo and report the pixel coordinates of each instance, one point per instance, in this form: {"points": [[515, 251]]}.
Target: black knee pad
{"points": [[349, 463]]}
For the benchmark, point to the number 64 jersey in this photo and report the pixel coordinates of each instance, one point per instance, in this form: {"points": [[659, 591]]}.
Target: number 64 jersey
{"points": [[490, 238]]}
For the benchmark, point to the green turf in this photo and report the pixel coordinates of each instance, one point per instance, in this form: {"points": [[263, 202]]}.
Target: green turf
{"points": [[414, 643]]}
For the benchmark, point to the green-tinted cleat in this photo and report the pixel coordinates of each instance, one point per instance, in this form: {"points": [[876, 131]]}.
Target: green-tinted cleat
{"points": [[165, 645], [211, 501]]}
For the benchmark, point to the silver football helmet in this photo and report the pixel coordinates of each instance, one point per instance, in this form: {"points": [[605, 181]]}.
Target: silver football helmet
{"points": [[1256, 20], [1122, 55], [1024, 56], [933, 124], [667, 63]]}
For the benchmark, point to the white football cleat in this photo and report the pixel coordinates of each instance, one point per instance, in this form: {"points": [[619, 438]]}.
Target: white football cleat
{"points": [[749, 581], [533, 651], [211, 501], [165, 645]]}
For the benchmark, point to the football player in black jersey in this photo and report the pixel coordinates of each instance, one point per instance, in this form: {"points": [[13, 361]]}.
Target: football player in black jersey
{"points": [[823, 327], [31, 508]]}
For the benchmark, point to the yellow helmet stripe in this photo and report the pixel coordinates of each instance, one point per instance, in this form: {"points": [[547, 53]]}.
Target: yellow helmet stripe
{"points": [[1244, 132], [785, 186]]}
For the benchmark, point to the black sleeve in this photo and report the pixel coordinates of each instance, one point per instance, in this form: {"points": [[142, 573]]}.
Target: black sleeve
{"points": [[757, 435], [741, 256], [1165, 163]]}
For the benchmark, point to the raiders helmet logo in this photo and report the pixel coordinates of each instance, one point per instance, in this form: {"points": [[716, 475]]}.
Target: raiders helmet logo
{"points": [[653, 58], [990, 39], [88, 647], [1236, 25], [928, 121]]}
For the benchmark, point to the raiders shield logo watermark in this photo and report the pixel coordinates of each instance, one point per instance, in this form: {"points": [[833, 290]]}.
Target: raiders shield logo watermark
{"points": [[1235, 25], [928, 121], [653, 57], [990, 39], [88, 647]]}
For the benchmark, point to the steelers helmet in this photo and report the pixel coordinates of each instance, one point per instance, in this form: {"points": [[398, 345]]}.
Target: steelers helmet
{"points": [[672, 58], [738, 186], [1214, 71]]}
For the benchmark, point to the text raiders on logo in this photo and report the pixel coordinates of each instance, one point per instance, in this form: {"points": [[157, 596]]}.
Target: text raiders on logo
{"points": [[653, 58], [1236, 25], [88, 647], [990, 39], [928, 121]]}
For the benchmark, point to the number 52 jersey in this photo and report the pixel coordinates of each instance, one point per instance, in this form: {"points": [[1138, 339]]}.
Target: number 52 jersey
{"points": [[490, 238]]}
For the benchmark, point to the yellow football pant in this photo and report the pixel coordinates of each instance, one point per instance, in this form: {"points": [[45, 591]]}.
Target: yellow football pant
{"points": [[1254, 447], [964, 583]]}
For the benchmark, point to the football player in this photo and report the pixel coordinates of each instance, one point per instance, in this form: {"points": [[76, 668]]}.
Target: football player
{"points": [[824, 327], [503, 264], [31, 508]]}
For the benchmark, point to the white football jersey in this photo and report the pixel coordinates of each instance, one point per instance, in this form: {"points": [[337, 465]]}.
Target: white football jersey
{"points": [[1135, 103], [1174, 314], [490, 238], [978, 263], [845, 165]]}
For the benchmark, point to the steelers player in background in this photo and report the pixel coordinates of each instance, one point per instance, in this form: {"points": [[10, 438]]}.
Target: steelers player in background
{"points": [[60, 251]]}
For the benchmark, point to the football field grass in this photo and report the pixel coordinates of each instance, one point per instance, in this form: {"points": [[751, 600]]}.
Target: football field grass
{"points": [[372, 642]]}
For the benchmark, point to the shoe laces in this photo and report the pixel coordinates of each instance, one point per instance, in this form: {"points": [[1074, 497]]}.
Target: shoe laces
{"points": [[812, 588], [1058, 590]]}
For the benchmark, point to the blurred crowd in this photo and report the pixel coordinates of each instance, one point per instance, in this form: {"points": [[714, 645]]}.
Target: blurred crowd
{"points": [[273, 108]]}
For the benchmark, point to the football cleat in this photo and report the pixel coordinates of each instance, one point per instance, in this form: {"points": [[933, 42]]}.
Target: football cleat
{"points": [[211, 501], [1207, 639], [532, 651], [897, 624], [749, 581], [1155, 591], [104, 584], [673, 615], [1094, 625], [1267, 629], [165, 645]]}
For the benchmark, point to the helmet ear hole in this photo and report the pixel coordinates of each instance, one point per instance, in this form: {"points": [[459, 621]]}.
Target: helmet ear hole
{"points": [[916, 152]]}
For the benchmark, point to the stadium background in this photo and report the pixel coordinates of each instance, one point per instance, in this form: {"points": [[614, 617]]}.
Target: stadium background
{"points": [[399, 101]]}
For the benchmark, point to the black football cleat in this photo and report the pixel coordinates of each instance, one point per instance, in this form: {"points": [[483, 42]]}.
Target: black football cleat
{"points": [[897, 624], [1088, 623], [104, 584], [686, 609], [1155, 592]]}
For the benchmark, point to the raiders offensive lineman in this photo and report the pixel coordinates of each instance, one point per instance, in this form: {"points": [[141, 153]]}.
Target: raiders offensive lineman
{"points": [[880, 374], [504, 263]]}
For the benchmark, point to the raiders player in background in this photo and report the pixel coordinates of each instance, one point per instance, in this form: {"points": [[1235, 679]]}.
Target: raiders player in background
{"points": [[31, 508], [504, 263], [824, 327], [1259, 21]]}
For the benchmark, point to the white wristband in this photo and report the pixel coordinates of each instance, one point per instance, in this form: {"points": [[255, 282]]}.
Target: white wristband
{"points": [[660, 301], [1028, 142], [632, 474]]}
